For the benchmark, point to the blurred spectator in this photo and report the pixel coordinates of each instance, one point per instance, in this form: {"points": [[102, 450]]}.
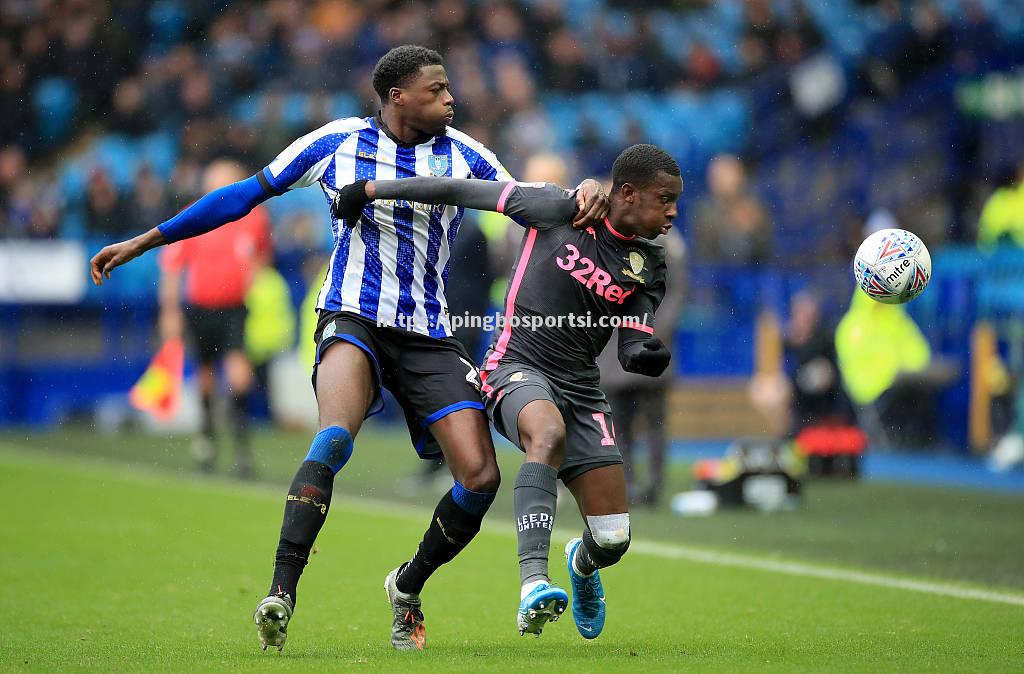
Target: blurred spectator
{"points": [[634, 58], [817, 391], [149, 201], [131, 114], [565, 63], [212, 274], [1002, 223], [703, 68], [1002, 217], [889, 373], [12, 171], [106, 210], [270, 326], [471, 274], [639, 403], [503, 235], [731, 225]]}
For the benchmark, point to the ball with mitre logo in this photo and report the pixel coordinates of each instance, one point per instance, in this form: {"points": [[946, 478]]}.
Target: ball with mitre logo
{"points": [[892, 266]]}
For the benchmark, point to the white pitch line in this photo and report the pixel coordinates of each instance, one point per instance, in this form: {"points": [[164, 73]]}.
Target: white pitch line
{"points": [[643, 547], [670, 551], [800, 569]]}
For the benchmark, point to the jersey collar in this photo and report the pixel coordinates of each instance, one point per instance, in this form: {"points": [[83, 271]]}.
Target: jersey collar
{"points": [[621, 237], [377, 122]]}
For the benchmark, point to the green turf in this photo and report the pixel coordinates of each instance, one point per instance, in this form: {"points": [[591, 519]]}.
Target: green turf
{"points": [[114, 568], [947, 534]]}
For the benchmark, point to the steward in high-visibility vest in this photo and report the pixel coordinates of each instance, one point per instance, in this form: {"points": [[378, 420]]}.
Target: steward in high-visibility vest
{"points": [[875, 342], [307, 322], [270, 323], [1002, 218]]}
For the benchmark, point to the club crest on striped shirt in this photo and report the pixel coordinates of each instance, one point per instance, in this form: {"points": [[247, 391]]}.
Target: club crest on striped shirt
{"points": [[438, 164]]}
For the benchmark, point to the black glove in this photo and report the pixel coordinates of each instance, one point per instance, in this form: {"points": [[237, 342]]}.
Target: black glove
{"points": [[349, 202], [649, 358]]}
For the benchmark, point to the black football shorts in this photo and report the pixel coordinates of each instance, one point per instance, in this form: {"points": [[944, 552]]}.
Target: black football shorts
{"points": [[589, 431], [429, 377], [215, 332]]}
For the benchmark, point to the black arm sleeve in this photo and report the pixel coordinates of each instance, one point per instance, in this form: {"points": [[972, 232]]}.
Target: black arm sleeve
{"points": [[483, 195], [539, 205], [533, 204]]}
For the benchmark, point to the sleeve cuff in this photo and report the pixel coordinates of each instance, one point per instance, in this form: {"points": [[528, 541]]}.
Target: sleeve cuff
{"points": [[267, 182]]}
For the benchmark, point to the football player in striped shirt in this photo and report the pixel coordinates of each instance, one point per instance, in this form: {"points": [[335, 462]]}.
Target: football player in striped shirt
{"points": [[570, 289], [382, 320]]}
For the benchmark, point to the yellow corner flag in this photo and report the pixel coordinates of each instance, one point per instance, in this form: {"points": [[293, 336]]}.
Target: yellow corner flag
{"points": [[158, 390]]}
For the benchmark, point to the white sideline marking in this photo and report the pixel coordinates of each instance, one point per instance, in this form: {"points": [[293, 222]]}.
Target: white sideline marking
{"points": [[648, 548], [670, 551]]}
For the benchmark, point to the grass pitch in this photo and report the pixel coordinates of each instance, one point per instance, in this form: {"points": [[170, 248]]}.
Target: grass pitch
{"points": [[111, 567], [923, 531]]}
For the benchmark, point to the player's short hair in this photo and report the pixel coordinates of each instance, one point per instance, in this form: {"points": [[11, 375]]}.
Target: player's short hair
{"points": [[639, 165], [400, 65]]}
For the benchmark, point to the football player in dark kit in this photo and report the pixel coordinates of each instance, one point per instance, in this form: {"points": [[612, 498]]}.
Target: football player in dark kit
{"points": [[570, 288]]}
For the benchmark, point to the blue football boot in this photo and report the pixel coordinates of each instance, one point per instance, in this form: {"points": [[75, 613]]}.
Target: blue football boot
{"points": [[588, 608], [544, 603]]}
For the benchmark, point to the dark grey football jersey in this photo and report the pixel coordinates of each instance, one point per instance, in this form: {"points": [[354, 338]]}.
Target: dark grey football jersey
{"points": [[570, 288]]}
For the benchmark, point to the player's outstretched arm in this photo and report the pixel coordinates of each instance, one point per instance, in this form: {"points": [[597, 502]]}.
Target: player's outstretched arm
{"points": [[533, 204], [219, 207], [483, 195]]}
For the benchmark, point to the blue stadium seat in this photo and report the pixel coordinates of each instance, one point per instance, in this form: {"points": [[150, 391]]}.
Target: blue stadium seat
{"points": [[160, 151], [119, 157], [296, 109], [564, 116], [344, 105], [55, 100], [168, 20], [603, 111], [248, 108]]}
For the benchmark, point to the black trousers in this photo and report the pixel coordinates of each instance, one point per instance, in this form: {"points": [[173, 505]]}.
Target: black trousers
{"points": [[639, 414]]}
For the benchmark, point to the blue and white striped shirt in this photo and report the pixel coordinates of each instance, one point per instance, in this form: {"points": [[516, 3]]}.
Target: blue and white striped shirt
{"points": [[393, 266]]}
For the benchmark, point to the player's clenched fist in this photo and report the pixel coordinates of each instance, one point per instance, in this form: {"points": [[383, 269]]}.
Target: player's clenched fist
{"points": [[648, 358], [349, 202]]}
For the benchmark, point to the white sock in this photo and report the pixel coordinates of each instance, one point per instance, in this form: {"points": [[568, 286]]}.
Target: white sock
{"points": [[528, 587]]}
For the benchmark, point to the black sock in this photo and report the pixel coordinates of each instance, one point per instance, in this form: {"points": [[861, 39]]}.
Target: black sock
{"points": [[206, 423], [451, 529], [309, 498], [590, 556], [240, 417]]}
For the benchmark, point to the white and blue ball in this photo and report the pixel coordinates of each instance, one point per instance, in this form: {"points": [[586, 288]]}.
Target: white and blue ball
{"points": [[892, 266]]}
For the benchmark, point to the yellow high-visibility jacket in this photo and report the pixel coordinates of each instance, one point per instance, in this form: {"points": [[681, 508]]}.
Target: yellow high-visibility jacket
{"points": [[1002, 217], [270, 323], [874, 343]]}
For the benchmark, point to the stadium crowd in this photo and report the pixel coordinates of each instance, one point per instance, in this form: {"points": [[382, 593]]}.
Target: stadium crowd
{"points": [[175, 84]]}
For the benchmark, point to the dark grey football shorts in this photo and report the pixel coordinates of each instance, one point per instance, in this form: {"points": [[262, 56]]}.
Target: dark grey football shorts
{"points": [[589, 430]]}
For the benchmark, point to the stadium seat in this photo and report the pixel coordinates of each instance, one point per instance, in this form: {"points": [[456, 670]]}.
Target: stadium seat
{"points": [[55, 100]]}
